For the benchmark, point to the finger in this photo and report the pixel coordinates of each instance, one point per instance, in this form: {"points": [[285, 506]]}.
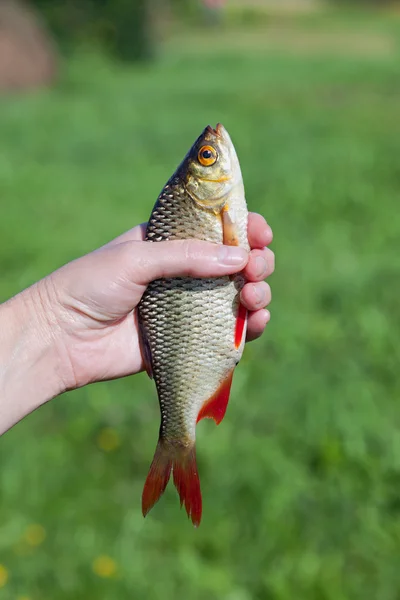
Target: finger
{"points": [[177, 258], [255, 295], [261, 264], [259, 232], [256, 324], [137, 234]]}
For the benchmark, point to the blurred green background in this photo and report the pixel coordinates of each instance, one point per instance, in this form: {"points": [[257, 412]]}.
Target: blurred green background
{"points": [[301, 482]]}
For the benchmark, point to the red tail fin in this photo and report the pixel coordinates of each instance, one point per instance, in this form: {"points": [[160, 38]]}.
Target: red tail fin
{"points": [[186, 479], [187, 482], [157, 479]]}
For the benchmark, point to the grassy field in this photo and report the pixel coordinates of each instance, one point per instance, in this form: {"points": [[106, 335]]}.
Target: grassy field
{"points": [[301, 482]]}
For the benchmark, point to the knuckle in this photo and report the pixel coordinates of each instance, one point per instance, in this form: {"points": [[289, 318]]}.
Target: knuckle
{"points": [[191, 250], [187, 250]]}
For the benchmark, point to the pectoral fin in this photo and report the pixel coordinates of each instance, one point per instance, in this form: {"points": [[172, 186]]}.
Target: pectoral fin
{"points": [[241, 321], [229, 227]]}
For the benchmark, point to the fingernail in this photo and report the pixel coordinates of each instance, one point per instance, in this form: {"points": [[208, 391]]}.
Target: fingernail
{"points": [[259, 294], [261, 266], [231, 256], [268, 233]]}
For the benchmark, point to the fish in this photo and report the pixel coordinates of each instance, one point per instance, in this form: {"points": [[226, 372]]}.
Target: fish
{"points": [[192, 331]]}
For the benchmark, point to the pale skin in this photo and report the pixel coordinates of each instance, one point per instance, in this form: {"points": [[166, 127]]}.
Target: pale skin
{"points": [[78, 325]]}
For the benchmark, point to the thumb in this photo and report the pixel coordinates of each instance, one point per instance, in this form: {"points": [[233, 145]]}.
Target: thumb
{"points": [[107, 283], [187, 258]]}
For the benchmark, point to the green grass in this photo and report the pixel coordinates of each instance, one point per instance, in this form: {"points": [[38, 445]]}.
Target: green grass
{"points": [[301, 482]]}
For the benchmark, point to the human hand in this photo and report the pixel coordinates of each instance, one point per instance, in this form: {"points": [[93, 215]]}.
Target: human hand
{"points": [[82, 317], [92, 300]]}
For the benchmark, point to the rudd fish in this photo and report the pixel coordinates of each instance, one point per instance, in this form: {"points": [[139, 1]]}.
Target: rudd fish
{"points": [[193, 330]]}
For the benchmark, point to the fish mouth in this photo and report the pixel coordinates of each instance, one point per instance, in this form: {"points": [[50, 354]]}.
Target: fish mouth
{"points": [[217, 131], [220, 180]]}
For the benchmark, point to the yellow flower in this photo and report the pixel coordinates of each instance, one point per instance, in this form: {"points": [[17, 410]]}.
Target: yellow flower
{"points": [[108, 439], [104, 566], [35, 535], [3, 576], [23, 598]]}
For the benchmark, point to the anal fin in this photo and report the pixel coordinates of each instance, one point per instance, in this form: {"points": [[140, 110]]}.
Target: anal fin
{"points": [[215, 407]]}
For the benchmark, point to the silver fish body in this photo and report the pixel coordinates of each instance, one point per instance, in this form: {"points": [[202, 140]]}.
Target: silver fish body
{"points": [[190, 326]]}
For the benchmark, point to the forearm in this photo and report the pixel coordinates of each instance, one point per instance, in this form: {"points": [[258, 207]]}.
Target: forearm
{"points": [[29, 359]]}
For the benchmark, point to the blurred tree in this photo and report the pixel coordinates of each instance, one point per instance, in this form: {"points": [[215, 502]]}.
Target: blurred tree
{"points": [[185, 8], [213, 11], [133, 27], [126, 28]]}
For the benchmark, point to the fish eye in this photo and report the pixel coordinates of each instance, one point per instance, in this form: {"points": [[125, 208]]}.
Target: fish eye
{"points": [[207, 156]]}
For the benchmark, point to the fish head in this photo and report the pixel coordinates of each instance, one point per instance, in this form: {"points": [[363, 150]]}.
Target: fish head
{"points": [[211, 168]]}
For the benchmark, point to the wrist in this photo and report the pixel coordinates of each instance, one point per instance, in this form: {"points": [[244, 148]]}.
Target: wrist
{"points": [[30, 372]]}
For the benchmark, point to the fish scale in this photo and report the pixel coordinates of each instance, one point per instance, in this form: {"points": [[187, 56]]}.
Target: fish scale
{"points": [[188, 325]]}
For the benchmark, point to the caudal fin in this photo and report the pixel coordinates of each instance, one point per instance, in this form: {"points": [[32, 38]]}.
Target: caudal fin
{"points": [[157, 479], [186, 479], [187, 482]]}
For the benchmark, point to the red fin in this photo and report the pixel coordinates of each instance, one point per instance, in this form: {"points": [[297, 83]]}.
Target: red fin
{"points": [[229, 227], [157, 479], [186, 479], [187, 482], [215, 407], [240, 323]]}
